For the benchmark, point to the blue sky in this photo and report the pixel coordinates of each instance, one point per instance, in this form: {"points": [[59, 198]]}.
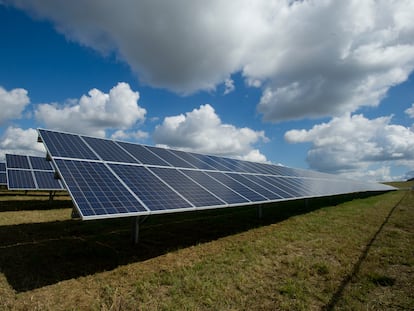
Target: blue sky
{"points": [[321, 85]]}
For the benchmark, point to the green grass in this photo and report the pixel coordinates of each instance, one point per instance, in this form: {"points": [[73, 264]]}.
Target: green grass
{"points": [[354, 255]]}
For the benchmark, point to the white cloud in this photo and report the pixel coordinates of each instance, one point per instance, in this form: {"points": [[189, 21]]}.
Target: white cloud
{"points": [[410, 111], [95, 112], [311, 58], [126, 135], [201, 130], [255, 156], [12, 104], [349, 144], [20, 141], [229, 86]]}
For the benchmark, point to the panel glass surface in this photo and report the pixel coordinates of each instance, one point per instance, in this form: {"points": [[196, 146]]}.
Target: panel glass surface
{"points": [[212, 185], [235, 165], [257, 187], [17, 161], [66, 145], [142, 154], [170, 157], [109, 150], [211, 162], [238, 187], [255, 168], [96, 190], [280, 183], [3, 178], [47, 181], [155, 194], [193, 192], [20, 179], [2, 167], [194, 161], [270, 186], [39, 163]]}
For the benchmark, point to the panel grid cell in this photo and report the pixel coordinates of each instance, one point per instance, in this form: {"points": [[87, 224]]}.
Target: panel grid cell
{"points": [[193, 192], [39, 163], [17, 161], [194, 161], [271, 187], [142, 154], [47, 181], [247, 181], [66, 145], [280, 183], [155, 194], [210, 160], [212, 185], [3, 178], [238, 187], [20, 179], [2, 167], [170, 157], [109, 150], [96, 190]]}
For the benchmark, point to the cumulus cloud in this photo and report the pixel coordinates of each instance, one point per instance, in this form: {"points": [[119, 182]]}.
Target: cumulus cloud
{"points": [[201, 130], [20, 141], [92, 114], [127, 135], [12, 104], [350, 143], [229, 86], [310, 58], [410, 111]]}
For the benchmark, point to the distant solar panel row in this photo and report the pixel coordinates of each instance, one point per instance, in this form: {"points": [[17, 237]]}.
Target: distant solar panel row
{"points": [[3, 178], [108, 178], [30, 173]]}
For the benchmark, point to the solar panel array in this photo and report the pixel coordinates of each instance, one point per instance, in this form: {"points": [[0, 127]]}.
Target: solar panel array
{"points": [[108, 178], [3, 178], [30, 173]]}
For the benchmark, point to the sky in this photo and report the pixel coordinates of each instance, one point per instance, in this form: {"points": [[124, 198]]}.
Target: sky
{"points": [[322, 85]]}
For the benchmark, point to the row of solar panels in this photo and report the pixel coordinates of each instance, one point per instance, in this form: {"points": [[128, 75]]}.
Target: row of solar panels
{"points": [[108, 178], [28, 173]]}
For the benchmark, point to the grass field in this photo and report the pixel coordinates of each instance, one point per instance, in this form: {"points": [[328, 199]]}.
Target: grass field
{"points": [[328, 254]]}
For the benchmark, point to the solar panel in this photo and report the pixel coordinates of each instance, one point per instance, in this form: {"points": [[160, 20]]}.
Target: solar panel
{"points": [[67, 145], [30, 173], [96, 191], [109, 150], [20, 179], [143, 154], [156, 194], [245, 191], [3, 178], [108, 178], [220, 190], [41, 164], [195, 193], [17, 161]]}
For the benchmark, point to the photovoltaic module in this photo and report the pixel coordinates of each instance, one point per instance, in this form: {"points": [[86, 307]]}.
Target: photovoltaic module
{"points": [[109, 178]]}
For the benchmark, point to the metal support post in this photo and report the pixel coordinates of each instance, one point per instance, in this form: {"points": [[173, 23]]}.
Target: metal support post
{"points": [[259, 211], [135, 229]]}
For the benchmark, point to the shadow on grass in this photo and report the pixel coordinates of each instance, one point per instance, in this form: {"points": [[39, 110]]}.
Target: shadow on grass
{"points": [[40, 254], [19, 201]]}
